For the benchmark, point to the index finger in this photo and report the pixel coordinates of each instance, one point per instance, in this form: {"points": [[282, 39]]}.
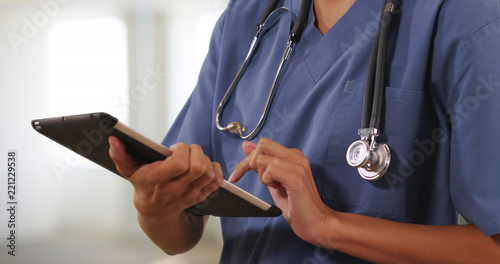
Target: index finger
{"points": [[249, 148], [244, 165], [265, 147], [240, 170]]}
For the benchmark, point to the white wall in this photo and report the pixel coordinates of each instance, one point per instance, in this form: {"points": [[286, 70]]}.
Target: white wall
{"points": [[87, 203]]}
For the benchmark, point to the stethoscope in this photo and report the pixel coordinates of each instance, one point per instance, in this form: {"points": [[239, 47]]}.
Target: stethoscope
{"points": [[371, 158], [367, 155], [293, 38]]}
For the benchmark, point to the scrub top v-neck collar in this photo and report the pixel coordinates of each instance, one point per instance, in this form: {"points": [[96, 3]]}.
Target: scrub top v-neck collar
{"points": [[321, 52]]}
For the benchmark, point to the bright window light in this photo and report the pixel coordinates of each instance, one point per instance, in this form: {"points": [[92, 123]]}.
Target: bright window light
{"points": [[88, 72], [89, 67]]}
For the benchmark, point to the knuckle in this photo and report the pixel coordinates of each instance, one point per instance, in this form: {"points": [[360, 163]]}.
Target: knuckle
{"points": [[254, 163], [145, 174], [125, 171], [266, 177], [296, 150], [264, 141], [198, 168], [200, 198], [219, 181], [209, 189], [156, 179], [260, 160], [273, 162], [211, 175], [305, 162], [195, 196], [180, 167], [196, 146], [303, 171], [181, 145]]}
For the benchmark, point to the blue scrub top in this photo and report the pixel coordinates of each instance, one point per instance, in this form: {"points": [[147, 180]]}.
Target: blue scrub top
{"points": [[441, 115]]}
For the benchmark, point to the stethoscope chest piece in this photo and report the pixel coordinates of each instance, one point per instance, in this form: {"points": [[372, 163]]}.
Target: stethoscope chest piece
{"points": [[371, 158]]}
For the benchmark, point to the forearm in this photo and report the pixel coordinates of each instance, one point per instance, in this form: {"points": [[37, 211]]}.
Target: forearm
{"points": [[384, 241], [176, 235]]}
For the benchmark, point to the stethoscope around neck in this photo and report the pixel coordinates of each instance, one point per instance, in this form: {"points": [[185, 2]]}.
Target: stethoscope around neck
{"points": [[293, 38], [370, 157]]}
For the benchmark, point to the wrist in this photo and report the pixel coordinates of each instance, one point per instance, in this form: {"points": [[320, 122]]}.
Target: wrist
{"points": [[175, 235], [328, 230], [174, 218]]}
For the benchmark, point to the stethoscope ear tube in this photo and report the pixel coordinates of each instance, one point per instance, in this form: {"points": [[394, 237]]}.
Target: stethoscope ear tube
{"points": [[370, 81], [375, 77], [271, 6], [301, 22], [378, 96]]}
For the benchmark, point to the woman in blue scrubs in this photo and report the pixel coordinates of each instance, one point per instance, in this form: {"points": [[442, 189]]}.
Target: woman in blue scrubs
{"points": [[441, 111]]}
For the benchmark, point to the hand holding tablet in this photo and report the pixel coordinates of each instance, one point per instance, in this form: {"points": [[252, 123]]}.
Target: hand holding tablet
{"points": [[88, 135]]}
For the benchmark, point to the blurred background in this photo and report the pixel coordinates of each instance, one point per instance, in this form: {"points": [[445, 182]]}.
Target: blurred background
{"points": [[135, 59]]}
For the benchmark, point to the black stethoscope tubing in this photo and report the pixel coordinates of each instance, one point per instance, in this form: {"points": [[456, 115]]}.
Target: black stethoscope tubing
{"points": [[299, 25], [375, 79]]}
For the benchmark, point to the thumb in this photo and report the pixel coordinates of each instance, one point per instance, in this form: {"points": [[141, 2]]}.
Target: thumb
{"points": [[125, 164]]}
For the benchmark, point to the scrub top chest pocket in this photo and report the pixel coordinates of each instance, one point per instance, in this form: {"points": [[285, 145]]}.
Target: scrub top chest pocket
{"points": [[403, 123]]}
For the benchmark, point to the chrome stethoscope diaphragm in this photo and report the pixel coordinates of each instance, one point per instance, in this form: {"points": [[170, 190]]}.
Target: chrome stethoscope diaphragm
{"points": [[370, 157]]}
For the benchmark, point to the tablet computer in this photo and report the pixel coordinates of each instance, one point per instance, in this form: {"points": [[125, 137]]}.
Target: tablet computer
{"points": [[88, 134]]}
